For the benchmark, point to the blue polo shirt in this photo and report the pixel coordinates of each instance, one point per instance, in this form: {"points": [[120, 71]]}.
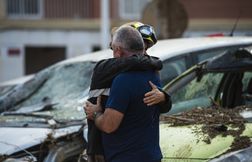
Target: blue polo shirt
{"points": [[137, 138]]}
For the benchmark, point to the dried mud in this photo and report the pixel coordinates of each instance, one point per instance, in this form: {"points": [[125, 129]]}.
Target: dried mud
{"points": [[215, 121]]}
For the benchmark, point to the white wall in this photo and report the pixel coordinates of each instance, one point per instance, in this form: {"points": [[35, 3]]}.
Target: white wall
{"points": [[76, 43], [10, 66]]}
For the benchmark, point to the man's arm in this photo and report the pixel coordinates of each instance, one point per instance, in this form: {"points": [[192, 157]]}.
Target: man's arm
{"points": [[106, 70], [116, 105], [109, 121]]}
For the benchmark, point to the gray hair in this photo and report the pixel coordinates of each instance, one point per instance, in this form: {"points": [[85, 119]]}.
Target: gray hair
{"points": [[129, 39]]}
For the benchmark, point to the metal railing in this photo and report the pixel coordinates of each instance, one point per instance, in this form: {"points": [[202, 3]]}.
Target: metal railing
{"points": [[24, 8], [28, 9]]}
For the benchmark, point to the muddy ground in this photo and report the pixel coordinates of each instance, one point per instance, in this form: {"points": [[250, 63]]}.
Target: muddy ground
{"points": [[215, 121]]}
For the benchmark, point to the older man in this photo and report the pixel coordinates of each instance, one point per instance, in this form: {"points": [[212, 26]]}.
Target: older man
{"points": [[131, 129]]}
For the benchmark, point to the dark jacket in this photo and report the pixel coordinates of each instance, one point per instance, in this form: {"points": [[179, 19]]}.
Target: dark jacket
{"points": [[104, 73]]}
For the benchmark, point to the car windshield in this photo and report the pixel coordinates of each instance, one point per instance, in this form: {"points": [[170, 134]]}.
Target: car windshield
{"points": [[206, 91], [64, 89], [195, 93]]}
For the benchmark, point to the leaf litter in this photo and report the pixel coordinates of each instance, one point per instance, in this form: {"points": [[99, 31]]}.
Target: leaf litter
{"points": [[215, 121]]}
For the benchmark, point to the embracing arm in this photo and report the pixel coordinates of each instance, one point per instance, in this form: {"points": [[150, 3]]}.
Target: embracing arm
{"points": [[106, 70], [109, 121], [166, 105], [158, 96]]}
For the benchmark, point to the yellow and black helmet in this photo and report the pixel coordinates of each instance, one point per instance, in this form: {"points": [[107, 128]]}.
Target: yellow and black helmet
{"points": [[146, 31]]}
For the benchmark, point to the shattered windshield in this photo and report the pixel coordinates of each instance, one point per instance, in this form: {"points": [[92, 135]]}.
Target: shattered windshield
{"points": [[60, 95], [229, 89], [196, 93]]}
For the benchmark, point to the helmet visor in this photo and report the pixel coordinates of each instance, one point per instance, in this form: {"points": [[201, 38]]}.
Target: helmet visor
{"points": [[147, 33], [146, 30]]}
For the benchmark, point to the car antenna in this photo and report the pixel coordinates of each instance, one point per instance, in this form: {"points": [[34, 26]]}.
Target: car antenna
{"points": [[235, 25]]}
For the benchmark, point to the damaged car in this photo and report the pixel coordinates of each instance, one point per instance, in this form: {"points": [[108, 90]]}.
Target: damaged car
{"points": [[42, 119], [211, 115]]}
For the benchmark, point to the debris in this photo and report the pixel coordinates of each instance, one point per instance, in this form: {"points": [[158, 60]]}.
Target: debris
{"points": [[215, 121]]}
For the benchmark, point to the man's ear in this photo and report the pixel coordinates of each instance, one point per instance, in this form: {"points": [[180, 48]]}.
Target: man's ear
{"points": [[117, 53]]}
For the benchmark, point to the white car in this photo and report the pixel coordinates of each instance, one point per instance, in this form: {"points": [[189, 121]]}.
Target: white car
{"points": [[47, 109], [211, 115]]}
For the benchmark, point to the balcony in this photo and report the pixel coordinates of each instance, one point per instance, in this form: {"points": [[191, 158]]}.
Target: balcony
{"points": [[65, 14]]}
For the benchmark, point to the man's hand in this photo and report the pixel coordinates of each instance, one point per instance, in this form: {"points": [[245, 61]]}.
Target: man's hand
{"points": [[154, 96], [91, 109]]}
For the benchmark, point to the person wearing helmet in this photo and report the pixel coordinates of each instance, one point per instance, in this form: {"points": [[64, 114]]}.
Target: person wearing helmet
{"points": [[103, 75], [149, 37], [147, 32]]}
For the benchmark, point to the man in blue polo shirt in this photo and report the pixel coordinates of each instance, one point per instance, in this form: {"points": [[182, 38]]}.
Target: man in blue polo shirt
{"points": [[131, 128]]}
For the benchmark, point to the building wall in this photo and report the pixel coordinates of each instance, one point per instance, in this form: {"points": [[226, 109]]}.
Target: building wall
{"points": [[76, 24], [204, 17], [12, 66], [76, 9], [208, 17], [2, 9], [218, 9], [73, 24]]}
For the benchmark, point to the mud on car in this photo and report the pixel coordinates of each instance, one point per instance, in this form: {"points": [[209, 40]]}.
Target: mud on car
{"points": [[211, 116]]}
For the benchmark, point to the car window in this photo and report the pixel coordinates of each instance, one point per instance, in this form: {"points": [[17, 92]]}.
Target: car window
{"points": [[196, 93], [172, 68], [247, 81], [208, 54], [203, 55], [247, 88]]}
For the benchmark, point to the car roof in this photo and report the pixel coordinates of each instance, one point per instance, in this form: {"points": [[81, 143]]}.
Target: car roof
{"points": [[168, 48], [173, 47]]}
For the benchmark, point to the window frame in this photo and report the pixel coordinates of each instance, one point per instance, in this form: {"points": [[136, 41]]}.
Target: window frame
{"points": [[122, 9], [199, 53], [20, 15]]}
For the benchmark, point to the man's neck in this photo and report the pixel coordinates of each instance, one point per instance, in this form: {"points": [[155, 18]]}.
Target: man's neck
{"points": [[130, 53]]}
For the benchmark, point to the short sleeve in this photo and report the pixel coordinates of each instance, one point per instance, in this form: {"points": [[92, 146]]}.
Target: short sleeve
{"points": [[119, 96]]}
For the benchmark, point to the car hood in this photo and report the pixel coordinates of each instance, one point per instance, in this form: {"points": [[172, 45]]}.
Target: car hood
{"points": [[191, 143], [13, 140]]}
